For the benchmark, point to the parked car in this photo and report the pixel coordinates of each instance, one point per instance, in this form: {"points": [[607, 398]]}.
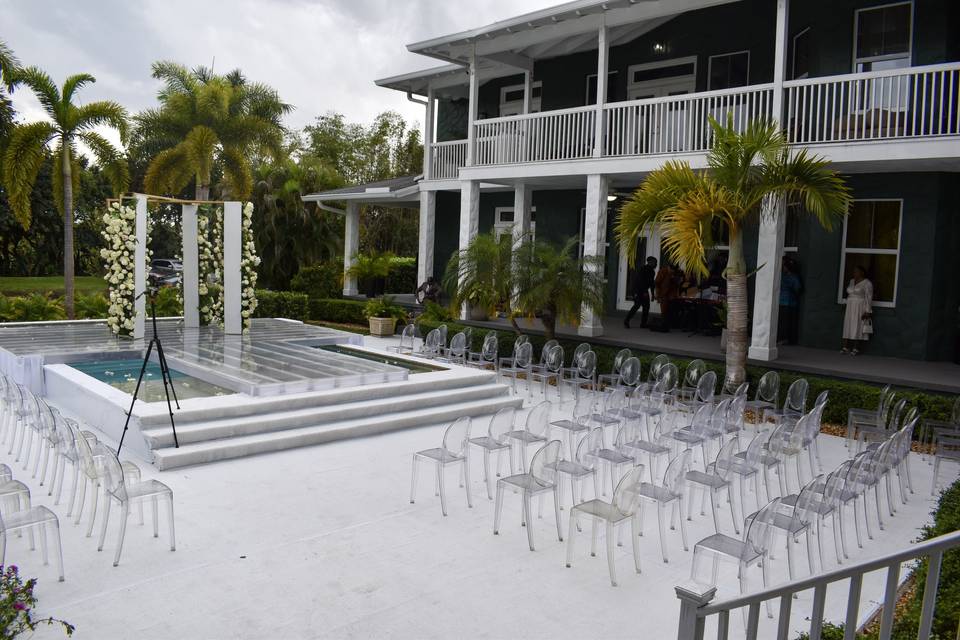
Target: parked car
{"points": [[166, 272]]}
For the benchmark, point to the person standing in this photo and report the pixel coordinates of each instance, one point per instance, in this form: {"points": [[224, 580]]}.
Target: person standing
{"points": [[643, 289], [858, 317], [666, 288], [790, 289]]}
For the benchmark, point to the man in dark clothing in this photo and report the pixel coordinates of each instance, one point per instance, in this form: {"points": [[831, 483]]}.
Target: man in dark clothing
{"points": [[643, 283]]}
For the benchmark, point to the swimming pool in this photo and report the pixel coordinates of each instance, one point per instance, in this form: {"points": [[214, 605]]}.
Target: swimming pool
{"points": [[122, 375], [409, 365]]}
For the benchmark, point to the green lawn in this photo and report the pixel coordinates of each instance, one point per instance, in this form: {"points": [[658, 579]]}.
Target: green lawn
{"points": [[46, 284]]}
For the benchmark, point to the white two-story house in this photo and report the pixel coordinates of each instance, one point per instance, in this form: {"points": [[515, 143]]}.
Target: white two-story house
{"points": [[545, 121]]}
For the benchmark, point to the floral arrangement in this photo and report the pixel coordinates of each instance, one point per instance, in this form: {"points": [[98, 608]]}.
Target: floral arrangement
{"points": [[119, 232], [249, 260], [211, 300], [17, 603]]}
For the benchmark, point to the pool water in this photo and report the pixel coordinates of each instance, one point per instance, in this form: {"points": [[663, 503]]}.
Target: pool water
{"points": [[122, 375], [409, 365]]}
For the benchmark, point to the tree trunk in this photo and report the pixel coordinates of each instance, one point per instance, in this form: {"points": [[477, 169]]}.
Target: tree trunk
{"points": [[67, 230], [202, 191], [549, 320], [737, 312]]}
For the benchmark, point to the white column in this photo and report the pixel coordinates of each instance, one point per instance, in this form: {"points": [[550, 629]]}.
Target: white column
{"points": [[766, 294], [469, 218], [232, 255], [428, 220], [522, 202], [351, 245], [472, 99], [527, 91], [602, 66], [140, 266], [594, 241], [191, 267], [428, 131]]}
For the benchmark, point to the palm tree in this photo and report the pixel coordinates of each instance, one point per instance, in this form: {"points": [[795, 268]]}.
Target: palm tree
{"points": [[552, 281], [8, 64], [690, 207], [69, 125], [479, 276], [207, 120]]}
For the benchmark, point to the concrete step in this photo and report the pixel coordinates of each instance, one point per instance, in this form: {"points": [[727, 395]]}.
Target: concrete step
{"points": [[161, 436], [247, 445], [231, 407]]}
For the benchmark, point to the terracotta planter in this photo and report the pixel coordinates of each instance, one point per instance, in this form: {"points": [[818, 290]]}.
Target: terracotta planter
{"points": [[382, 326], [478, 314]]}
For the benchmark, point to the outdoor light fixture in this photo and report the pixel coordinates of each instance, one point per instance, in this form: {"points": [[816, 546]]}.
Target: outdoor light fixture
{"points": [[659, 47], [612, 197]]}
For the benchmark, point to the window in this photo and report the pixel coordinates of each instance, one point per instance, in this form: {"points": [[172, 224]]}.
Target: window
{"points": [[871, 239], [801, 55], [729, 70], [660, 71], [592, 87], [511, 99], [882, 37], [504, 218]]}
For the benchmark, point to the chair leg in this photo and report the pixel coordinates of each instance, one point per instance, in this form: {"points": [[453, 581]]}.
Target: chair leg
{"points": [[466, 481], [486, 473], [556, 510], [636, 542], [527, 513], [611, 564], [56, 538], [713, 507], [765, 566], [124, 516], [173, 533], [156, 530], [683, 527], [103, 525], [594, 532], [443, 493], [733, 504], [663, 533], [93, 507], [497, 508], [789, 539], [571, 532], [83, 494], [413, 480]]}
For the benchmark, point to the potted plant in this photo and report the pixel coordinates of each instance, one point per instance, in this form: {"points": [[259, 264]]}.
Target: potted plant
{"points": [[371, 271], [383, 314], [479, 276]]}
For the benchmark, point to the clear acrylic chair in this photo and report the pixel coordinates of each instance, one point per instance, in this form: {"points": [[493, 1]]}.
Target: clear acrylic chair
{"points": [[947, 449], [457, 351], [793, 522], [92, 456], [863, 417], [931, 428], [574, 367], [116, 488], [759, 460], [536, 430], [713, 481], [622, 509], [519, 365], [407, 338], [541, 478], [669, 493], [34, 520], [580, 466], [752, 550], [703, 394], [5, 473], [432, 344], [794, 404], [867, 433], [548, 370], [578, 423], [815, 502], [651, 439], [496, 440], [691, 376], [611, 379], [630, 374], [653, 374], [453, 450], [698, 433], [585, 374], [442, 329], [767, 396], [487, 356], [506, 362], [614, 457]]}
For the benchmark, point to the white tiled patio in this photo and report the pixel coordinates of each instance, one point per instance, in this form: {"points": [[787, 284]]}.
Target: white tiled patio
{"points": [[322, 542]]}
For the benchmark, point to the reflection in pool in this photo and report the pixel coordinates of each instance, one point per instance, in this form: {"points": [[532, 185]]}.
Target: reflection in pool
{"points": [[122, 374]]}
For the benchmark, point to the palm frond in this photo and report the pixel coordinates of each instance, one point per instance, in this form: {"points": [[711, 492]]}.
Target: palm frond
{"points": [[8, 64], [21, 163], [176, 77], [809, 179], [200, 145], [42, 85], [236, 170], [111, 161], [687, 227], [104, 112], [73, 83], [169, 171]]}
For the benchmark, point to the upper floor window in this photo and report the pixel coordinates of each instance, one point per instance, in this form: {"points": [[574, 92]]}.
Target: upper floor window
{"points": [[871, 239], [801, 55], [883, 37], [511, 99], [592, 87], [729, 70]]}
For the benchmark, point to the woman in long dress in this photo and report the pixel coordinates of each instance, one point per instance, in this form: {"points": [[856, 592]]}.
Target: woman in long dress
{"points": [[859, 311]]}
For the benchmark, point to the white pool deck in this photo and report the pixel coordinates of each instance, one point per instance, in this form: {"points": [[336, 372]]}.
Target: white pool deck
{"points": [[322, 542]]}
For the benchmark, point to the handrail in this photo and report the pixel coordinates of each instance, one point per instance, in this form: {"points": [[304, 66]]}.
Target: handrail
{"points": [[867, 75], [522, 117], [698, 95], [928, 547], [448, 143]]}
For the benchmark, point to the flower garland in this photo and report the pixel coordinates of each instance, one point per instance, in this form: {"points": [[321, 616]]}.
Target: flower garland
{"points": [[120, 233], [211, 301], [249, 261]]}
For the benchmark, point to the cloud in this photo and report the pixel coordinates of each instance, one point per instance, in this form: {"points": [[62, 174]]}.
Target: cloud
{"points": [[320, 55]]}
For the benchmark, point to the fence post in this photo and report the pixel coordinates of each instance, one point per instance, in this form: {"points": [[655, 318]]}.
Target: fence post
{"points": [[693, 597]]}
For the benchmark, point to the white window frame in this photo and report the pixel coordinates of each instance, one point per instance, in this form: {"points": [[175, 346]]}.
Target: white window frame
{"points": [[893, 56], [586, 86], [515, 107], [727, 55], [500, 227], [793, 55], [842, 286], [660, 82]]}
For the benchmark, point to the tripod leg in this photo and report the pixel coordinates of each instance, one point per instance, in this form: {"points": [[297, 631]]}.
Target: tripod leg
{"points": [[165, 375], [165, 371], [133, 400]]}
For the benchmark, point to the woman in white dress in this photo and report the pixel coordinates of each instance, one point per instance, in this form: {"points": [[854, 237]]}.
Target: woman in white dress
{"points": [[859, 311]]}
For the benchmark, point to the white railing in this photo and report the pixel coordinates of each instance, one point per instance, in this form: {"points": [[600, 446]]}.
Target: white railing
{"points": [[696, 606], [447, 158], [565, 134], [679, 124], [877, 105]]}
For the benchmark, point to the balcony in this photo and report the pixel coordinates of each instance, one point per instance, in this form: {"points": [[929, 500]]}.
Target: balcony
{"points": [[920, 102]]}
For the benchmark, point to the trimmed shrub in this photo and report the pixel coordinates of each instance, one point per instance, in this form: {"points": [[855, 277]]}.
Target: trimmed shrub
{"points": [[403, 276], [340, 311], [281, 304], [323, 280], [91, 307]]}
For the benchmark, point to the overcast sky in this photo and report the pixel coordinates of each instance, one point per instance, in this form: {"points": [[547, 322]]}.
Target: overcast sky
{"points": [[320, 55]]}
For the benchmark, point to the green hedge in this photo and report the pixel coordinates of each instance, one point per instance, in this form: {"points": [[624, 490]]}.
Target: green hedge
{"points": [[323, 280], [403, 276], [844, 394], [281, 304], [342, 311]]}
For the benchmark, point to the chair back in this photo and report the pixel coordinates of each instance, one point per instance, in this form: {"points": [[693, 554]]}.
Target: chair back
{"points": [[523, 356], [587, 365], [581, 349], [538, 419], [822, 398], [468, 332], [882, 400], [407, 336], [630, 372], [583, 409], [588, 448], [768, 389], [702, 424], [614, 402], [626, 497], [547, 348], [456, 436], [755, 448], [112, 476], [807, 507], [725, 458], [721, 415], [758, 535], [552, 360], [675, 475], [707, 387], [543, 465], [796, 400], [893, 419], [669, 375], [433, 342], [887, 402], [619, 359], [490, 347], [658, 361], [737, 406], [691, 375], [443, 334], [836, 483], [458, 344], [909, 414], [501, 424], [955, 412]]}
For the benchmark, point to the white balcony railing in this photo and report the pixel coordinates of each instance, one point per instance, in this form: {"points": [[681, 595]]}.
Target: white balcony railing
{"points": [[899, 103], [678, 124], [565, 134], [447, 157], [696, 608]]}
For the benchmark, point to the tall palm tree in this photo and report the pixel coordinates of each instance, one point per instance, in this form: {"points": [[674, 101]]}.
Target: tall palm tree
{"points": [[69, 124], [479, 275], [744, 169], [207, 120], [8, 64]]}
